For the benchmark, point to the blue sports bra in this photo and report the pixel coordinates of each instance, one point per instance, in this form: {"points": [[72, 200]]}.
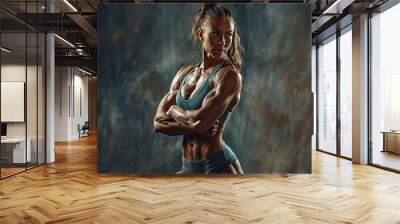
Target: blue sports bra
{"points": [[196, 101]]}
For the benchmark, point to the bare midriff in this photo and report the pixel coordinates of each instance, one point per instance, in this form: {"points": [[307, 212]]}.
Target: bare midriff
{"points": [[196, 147]]}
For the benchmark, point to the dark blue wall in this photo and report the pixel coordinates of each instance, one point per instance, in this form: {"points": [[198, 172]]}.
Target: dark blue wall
{"points": [[140, 48]]}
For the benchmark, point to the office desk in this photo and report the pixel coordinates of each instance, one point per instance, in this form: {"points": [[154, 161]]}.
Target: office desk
{"points": [[13, 150], [391, 141]]}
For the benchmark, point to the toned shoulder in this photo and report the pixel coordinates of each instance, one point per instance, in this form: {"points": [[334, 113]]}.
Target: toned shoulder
{"points": [[182, 72], [230, 74]]}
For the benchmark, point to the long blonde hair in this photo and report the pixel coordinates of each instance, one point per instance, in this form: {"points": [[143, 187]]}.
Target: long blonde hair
{"points": [[215, 10]]}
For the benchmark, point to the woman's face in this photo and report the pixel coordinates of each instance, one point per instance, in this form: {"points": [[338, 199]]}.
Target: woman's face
{"points": [[216, 35]]}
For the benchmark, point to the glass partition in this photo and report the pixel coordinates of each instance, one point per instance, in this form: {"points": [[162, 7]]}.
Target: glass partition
{"points": [[31, 100], [41, 86], [22, 88], [13, 108]]}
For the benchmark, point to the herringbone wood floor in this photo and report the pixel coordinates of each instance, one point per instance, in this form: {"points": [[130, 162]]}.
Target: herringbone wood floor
{"points": [[71, 191]]}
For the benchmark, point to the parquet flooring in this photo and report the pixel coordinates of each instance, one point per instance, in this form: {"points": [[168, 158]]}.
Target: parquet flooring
{"points": [[71, 191], [10, 171]]}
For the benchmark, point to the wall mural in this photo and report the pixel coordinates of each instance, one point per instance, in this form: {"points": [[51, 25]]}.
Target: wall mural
{"points": [[176, 94]]}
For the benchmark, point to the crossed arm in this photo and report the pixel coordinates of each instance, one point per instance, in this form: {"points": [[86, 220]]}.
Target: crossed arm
{"points": [[172, 120], [165, 123]]}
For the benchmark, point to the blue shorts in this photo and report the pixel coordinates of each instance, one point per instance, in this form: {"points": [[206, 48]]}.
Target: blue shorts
{"points": [[216, 163]]}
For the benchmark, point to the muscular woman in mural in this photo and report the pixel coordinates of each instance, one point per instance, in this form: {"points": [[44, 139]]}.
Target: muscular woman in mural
{"points": [[202, 97]]}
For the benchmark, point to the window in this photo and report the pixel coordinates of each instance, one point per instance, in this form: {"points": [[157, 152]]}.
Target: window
{"points": [[385, 88], [346, 92], [327, 96]]}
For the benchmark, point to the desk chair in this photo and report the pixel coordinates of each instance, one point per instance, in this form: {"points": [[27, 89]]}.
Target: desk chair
{"points": [[84, 130]]}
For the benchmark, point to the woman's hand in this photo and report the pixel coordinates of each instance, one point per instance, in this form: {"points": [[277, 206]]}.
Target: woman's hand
{"points": [[180, 115], [176, 113]]}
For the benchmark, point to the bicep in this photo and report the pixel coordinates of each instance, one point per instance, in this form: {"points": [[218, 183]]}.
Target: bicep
{"points": [[215, 104]]}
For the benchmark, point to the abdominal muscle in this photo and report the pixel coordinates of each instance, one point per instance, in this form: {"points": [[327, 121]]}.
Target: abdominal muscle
{"points": [[196, 147]]}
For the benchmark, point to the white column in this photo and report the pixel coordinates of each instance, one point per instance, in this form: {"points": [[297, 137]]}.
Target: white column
{"points": [[50, 93], [314, 91], [360, 90]]}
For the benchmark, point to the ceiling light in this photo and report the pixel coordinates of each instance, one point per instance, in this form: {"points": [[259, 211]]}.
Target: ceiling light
{"points": [[5, 50], [80, 51], [331, 7], [338, 6], [65, 41], [84, 71], [70, 5]]}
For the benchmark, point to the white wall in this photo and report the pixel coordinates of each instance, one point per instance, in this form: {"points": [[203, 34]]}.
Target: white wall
{"points": [[61, 103], [13, 72], [71, 93], [16, 73], [10, 73], [81, 103]]}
